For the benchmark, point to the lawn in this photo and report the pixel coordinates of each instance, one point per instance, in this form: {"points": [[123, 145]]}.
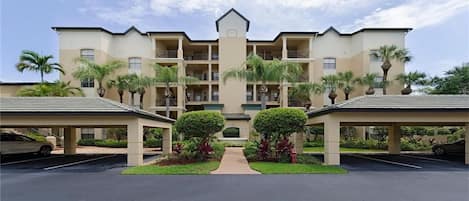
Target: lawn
{"points": [[289, 168], [199, 168], [343, 150]]}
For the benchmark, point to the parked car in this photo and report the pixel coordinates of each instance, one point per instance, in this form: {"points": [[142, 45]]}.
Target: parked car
{"points": [[12, 143], [451, 148]]}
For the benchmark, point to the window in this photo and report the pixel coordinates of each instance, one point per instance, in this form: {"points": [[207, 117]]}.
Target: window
{"points": [[329, 63], [87, 54], [135, 64], [87, 133], [378, 82], [87, 83], [374, 58]]}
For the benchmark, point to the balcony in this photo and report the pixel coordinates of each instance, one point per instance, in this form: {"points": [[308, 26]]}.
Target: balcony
{"points": [[196, 56], [297, 48], [167, 54], [197, 94], [162, 101], [298, 54]]}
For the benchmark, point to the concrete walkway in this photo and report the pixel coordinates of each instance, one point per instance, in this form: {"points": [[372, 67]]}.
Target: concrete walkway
{"points": [[234, 162]]}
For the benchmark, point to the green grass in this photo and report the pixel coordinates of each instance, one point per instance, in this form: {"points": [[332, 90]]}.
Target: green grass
{"points": [[343, 150], [199, 168], [289, 168]]}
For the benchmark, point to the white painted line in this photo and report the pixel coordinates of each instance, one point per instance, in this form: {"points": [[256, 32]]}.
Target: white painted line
{"points": [[29, 160], [425, 158], [386, 161], [78, 162]]}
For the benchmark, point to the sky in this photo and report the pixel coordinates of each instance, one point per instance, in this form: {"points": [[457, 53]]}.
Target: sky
{"points": [[439, 40]]}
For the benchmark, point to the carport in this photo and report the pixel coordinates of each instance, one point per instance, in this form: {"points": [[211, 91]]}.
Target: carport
{"points": [[392, 111], [71, 113]]}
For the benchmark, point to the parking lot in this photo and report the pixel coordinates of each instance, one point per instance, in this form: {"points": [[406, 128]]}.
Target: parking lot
{"points": [[60, 162]]}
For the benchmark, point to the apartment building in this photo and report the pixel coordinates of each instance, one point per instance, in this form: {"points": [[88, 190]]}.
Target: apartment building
{"points": [[319, 54]]}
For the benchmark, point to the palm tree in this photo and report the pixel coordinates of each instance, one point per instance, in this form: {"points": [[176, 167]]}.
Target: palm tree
{"points": [[330, 83], [132, 86], [368, 80], [304, 91], [121, 84], [90, 70], [142, 83], [265, 71], [167, 76], [346, 82], [58, 88], [409, 79], [387, 54], [32, 61]]}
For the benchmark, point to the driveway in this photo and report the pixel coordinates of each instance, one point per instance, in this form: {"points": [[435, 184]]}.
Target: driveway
{"points": [[101, 180]]}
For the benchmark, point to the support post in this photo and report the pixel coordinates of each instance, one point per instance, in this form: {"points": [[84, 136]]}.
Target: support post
{"points": [[331, 142], [167, 141], [467, 144], [284, 48], [394, 139], [180, 53], [134, 143], [70, 141]]}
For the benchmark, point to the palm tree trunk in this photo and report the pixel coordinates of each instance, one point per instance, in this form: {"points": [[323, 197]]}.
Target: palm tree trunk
{"points": [[141, 99], [263, 97], [347, 96], [132, 98], [121, 94], [167, 99], [385, 78], [42, 76], [101, 89]]}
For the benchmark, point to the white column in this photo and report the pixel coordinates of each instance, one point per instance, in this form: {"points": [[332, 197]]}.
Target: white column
{"points": [[254, 49], [331, 142], [70, 141], [134, 143], [394, 139], [180, 52], [210, 52], [310, 51], [254, 92], [284, 48], [467, 144], [299, 142], [167, 141], [153, 46], [284, 94]]}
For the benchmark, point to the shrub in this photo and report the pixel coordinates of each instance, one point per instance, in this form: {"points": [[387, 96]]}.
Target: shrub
{"points": [[200, 125], [218, 150], [231, 132], [87, 142], [279, 121], [36, 136], [307, 159], [318, 143], [365, 144], [251, 150], [116, 133], [111, 143], [152, 143], [411, 144]]}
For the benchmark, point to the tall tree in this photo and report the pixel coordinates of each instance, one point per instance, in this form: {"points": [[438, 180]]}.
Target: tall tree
{"points": [[409, 79], [346, 82], [143, 82], [258, 70], [369, 80], [330, 83], [168, 76], [121, 84], [32, 61], [304, 91], [387, 54], [93, 71], [132, 86], [58, 88], [454, 81]]}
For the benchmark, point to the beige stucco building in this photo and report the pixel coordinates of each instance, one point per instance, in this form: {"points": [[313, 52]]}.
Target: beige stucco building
{"points": [[319, 54]]}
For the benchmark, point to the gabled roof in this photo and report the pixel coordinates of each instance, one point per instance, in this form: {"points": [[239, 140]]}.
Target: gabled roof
{"points": [[18, 83], [71, 106], [237, 13], [401, 103], [364, 29]]}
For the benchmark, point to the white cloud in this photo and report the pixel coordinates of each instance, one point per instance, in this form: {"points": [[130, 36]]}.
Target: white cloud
{"points": [[416, 14]]}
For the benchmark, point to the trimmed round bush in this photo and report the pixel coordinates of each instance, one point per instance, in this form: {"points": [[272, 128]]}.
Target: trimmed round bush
{"points": [[279, 121], [200, 123]]}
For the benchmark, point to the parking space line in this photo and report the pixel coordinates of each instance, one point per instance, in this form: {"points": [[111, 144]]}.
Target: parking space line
{"points": [[425, 158], [386, 161], [29, 160], [78, 162]]}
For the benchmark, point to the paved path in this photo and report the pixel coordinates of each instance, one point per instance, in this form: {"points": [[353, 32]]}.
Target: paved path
{"points": [[234, 162]]}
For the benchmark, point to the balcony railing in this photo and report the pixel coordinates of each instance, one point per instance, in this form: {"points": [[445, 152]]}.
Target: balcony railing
{"points": [[298, 54], [162, 101], [215, 97], [196, 56], [167, 54], [200, 76], [214, 56], [270, 55], [197, 98], [215, 76]]}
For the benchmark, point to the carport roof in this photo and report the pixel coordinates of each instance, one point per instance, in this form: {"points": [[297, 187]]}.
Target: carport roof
{"points": [[71, 105], [380, 103]]}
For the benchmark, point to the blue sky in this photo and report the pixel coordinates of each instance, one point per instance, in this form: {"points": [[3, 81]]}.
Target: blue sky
{"points": [[440, 38]]}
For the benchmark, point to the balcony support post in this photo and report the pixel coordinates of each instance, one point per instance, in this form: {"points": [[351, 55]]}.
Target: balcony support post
{"points": [[180, 52], [210, 52], [284, 48]]}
